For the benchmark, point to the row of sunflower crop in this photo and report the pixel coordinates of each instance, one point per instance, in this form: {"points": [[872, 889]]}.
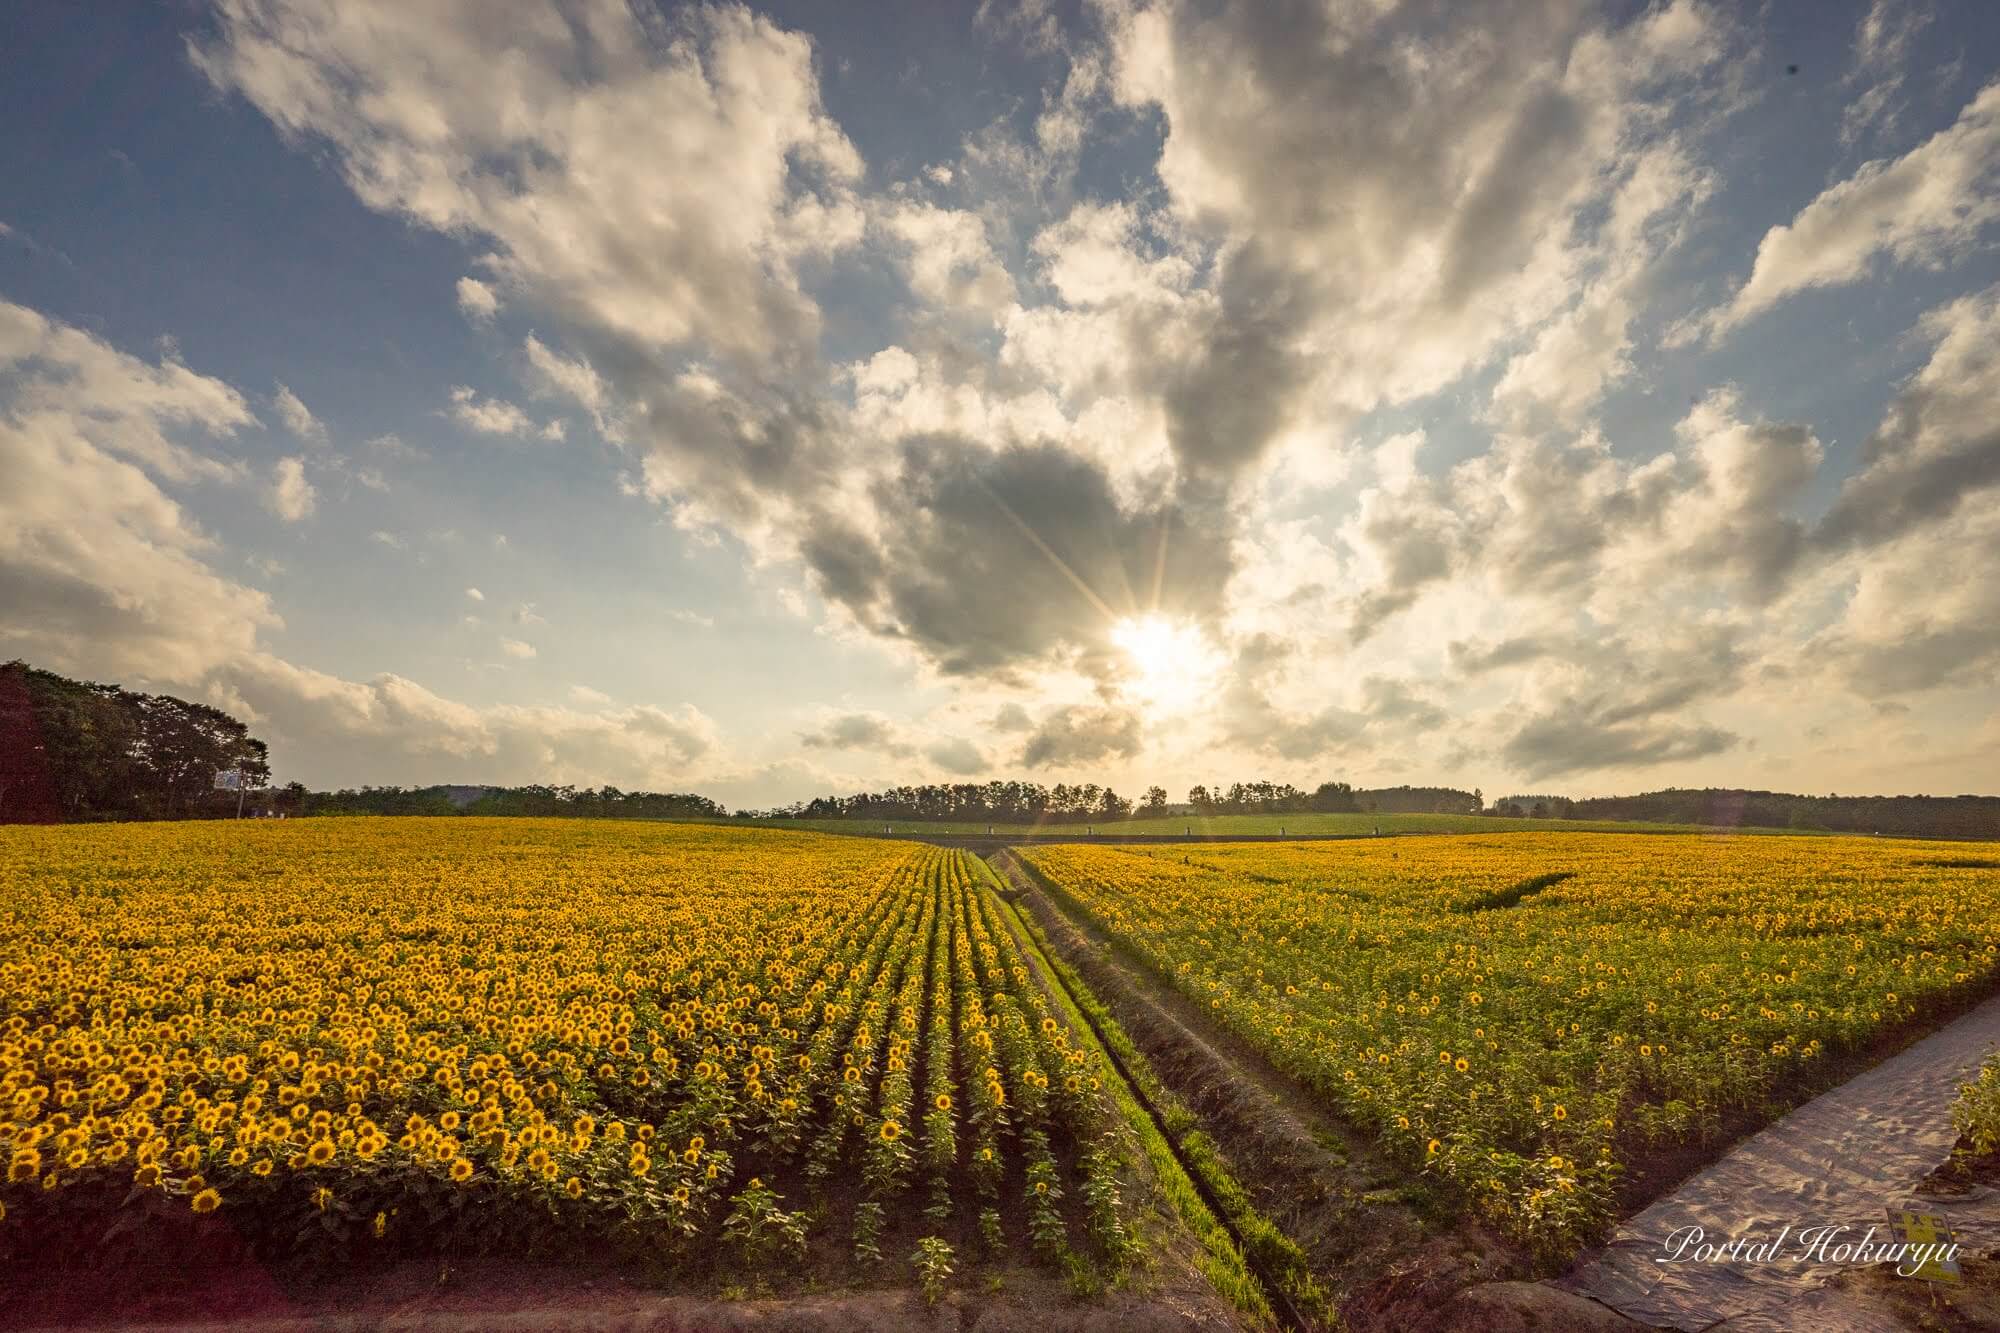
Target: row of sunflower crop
{"points": [[1527, 1056], [431, 1035]]}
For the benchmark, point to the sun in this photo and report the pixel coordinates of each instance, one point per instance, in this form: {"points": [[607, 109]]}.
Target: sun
{"points": [[1173, 667]]}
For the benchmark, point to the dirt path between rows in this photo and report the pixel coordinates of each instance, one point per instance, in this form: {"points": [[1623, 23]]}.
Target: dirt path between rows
{"points": [[1322, 1184]]}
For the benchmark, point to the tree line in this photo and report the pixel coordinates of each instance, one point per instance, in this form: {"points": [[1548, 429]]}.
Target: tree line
{"points": [[75, 750], [1031, 803], [964, 802], [1732, 807], [1282, 798], [540, 801]]}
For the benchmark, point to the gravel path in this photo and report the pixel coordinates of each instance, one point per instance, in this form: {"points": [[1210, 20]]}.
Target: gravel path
{"points": [[1839, 1160]]}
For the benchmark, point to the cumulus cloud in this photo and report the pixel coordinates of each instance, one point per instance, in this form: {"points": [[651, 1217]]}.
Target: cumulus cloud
{"points": [[291, 496], [478, 300], [949, 260], [1010, 718], [297, 418], [101, 570], [519, 648], [1036, 531], [1574, 739], [1336, 232], [1080, 734], [1381, 229], [957, 756], [858, 731], [358, 729], [1254, 717], [103, 574], [1078, 409], [1906, 628], [488, 416], [1926, 207], [541, 134], [1938, 448], [1534, 517]]}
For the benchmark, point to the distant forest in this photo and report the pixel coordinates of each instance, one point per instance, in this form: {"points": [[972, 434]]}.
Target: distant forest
{"points": [[547, 802], [74, 750], [1032, 803], [1723, 807]]}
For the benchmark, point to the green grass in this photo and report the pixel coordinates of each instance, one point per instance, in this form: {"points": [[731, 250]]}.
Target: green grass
{"points": [[1353, 825], [1276, 1253], [1221, 1261]]}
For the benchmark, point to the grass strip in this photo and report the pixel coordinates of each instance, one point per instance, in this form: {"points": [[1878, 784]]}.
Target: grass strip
{"points": [[1267, 1249], [1222, 1260]]}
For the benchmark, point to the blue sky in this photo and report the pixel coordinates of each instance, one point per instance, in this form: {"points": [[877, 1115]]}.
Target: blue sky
{"points": [[776, 400]]}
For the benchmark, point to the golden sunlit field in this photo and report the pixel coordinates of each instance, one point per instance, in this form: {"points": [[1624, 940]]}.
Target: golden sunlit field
{"points": [[717, 1055], [356, 1038], [1523, 1019]]}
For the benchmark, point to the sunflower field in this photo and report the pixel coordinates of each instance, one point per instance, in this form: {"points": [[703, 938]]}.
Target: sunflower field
{"points": [[1526, 1018], [355, 1037]]}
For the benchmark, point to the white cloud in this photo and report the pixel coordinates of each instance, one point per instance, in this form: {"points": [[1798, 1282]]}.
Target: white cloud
{"points": [[475, 594], [298, 420], [1078, 406], [101, 570], [1882, 43], [588, 697], [488, 416], [477, 300], [391, 728], [291, 496], [571, 378], [517, 648], [1926, 207], [542, 136], [949, 260]]}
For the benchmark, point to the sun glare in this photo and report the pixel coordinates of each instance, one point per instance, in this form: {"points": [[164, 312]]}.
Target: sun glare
{"points": [[1172, 664]]}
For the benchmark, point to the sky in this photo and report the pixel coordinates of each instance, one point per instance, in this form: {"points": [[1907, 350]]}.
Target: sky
{"points": [[769, 401]]}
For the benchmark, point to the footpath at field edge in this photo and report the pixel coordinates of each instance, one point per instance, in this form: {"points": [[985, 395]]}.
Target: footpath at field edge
{"points": [[1842, 1159]]}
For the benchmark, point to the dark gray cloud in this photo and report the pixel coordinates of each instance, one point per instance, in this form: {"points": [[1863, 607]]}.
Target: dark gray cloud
{"points": [[858, 731], [1236, 387], [958, 756], [1573, 739], [1923, 657], [1938, 447], [991, 560], [1011, 718], [1633, 711], [1082, 734], [1469, 657]]}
